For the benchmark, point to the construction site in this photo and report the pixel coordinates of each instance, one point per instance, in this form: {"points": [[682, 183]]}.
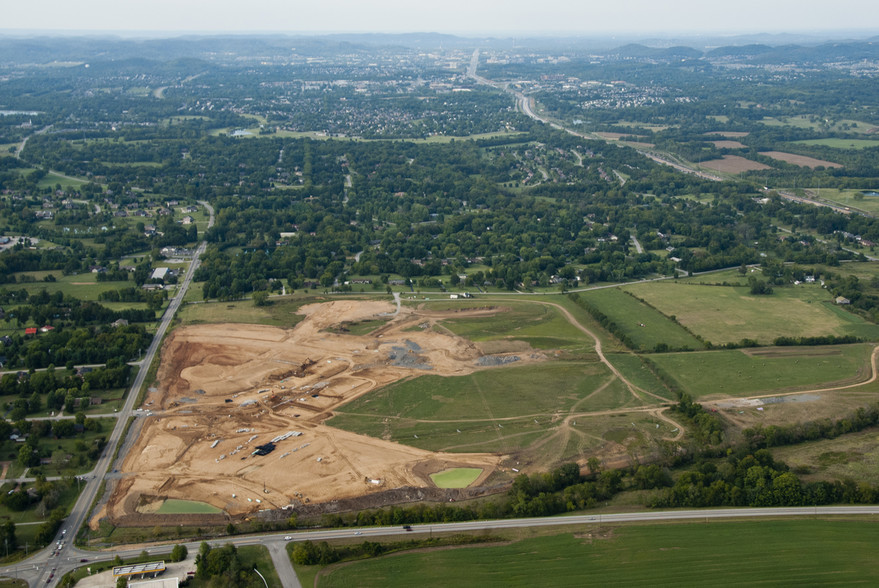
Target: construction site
{"points": [[237, 415]]}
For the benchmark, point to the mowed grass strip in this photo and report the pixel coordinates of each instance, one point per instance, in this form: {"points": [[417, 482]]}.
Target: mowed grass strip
{"points": [[747, 372], [791, 552], [729, 314], [645, 326], [176, 506]]}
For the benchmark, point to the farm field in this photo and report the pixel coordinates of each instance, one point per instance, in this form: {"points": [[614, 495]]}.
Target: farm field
{"points": [[745, 372], [733, 164], [645, 326], [729, 553], [801, 160], [729, 314], [727, 144]]}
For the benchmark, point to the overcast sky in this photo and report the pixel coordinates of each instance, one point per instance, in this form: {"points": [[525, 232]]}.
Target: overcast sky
{"points": [[446, 16]]}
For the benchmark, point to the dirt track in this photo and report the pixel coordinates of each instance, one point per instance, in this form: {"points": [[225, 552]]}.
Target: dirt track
{"points": [[240, 386]]}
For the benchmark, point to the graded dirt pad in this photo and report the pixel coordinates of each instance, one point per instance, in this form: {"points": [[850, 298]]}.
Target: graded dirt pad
{"points": [[227, 389]]}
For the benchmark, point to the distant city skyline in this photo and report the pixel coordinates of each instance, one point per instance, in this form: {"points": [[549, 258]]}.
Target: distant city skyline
{"points": [[463, 17]]}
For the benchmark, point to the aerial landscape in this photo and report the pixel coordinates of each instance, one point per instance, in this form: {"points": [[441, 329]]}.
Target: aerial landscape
{"points": [[360, 306]]}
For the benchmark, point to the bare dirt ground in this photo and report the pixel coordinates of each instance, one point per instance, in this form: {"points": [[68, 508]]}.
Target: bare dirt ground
{"points": [[227, 388]]}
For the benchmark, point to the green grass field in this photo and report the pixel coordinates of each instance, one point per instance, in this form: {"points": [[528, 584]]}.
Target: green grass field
{"points": [[645, 326], [174, 506], [782, 553], [491, 410], [730, 314], [543, 327], [82, 286], [281, 312], [764, 370], [455, 477]]}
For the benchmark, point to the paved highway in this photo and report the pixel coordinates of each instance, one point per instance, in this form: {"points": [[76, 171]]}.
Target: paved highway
{"points": [[72, 556], [44, 560]]}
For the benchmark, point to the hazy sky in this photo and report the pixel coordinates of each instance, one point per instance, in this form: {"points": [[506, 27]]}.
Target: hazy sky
{"points": [[448, 16]]}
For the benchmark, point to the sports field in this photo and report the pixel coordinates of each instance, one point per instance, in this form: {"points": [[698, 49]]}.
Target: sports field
{"points": [[730, 314], [778, 553], [745, 372]]}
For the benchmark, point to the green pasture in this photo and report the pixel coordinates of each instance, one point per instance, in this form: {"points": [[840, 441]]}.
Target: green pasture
{"points": [[637, 372], [541, 326], [739, 553], [853, 456], [842, 143], [730, 314], [83, 286], [645, 326], [51, 179], [175, 506], [455, 477], [745, 372], [498, 409], [281, 312]]}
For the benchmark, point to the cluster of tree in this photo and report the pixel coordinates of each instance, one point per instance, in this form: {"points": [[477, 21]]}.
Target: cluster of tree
{"points": [[705, 427], [308, 553], [153, 298], [77, 346], [44, 496], [223, 566], [60, 310], [777, 435], [756, 480]]}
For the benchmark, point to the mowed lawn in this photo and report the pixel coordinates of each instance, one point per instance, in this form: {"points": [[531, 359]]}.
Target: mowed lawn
{"points": [[729, 314], [645, 326], [778, 553], [745, 372]]}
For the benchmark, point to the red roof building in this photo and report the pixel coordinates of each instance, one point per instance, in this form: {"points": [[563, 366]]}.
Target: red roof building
{"points": [[30, 331]]}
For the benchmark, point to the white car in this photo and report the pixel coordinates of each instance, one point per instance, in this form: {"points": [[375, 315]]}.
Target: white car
{"points": [[288, 538]]}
